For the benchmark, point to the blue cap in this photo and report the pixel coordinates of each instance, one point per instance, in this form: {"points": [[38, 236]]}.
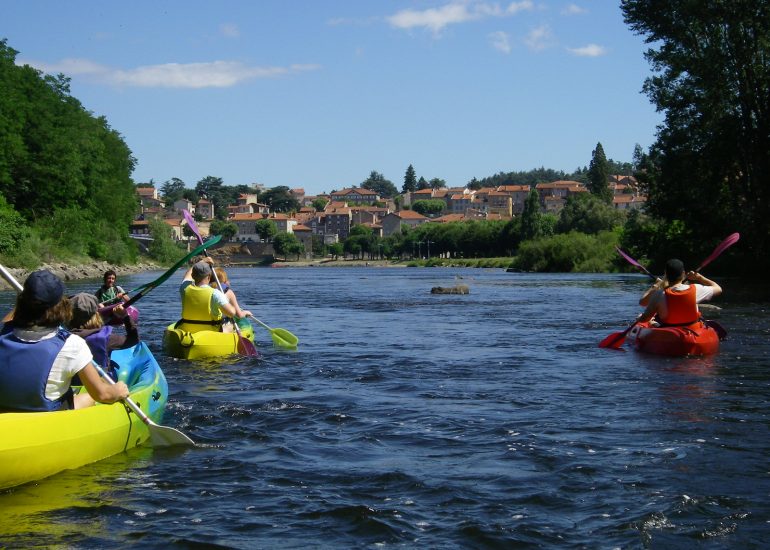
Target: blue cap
{"points": [[43, 287]]}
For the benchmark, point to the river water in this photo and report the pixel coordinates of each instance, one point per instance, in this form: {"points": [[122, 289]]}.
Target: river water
{"points": [[407, 419]]}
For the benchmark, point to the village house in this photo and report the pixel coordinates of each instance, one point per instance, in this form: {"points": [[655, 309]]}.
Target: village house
{"points": [[355, 195], [205, 209], [393, 222]]}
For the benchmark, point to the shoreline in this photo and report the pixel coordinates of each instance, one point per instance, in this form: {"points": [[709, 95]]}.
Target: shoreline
{"points": [[91, 270]]}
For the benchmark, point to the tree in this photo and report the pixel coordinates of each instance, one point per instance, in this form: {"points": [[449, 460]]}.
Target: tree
{"points": [[228, 230], [712, 81], [429, 207], [588, 214], [437, 183], [598, 175], [287, 243], [376, 182], [422, 184], [319, 204], [172, 190], [209, 187], [280, 199], [410, 180], [530, 217], [266, 229]]}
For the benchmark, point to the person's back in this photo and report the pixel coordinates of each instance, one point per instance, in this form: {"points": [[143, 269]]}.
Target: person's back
{"points": [[38, 359], [202, 305]]}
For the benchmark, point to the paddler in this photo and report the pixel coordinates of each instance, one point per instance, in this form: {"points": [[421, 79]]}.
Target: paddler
{"points": [[673, 301], [202, 305]]}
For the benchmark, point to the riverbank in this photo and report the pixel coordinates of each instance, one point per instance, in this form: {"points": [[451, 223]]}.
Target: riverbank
{"points": [[90, 270]]}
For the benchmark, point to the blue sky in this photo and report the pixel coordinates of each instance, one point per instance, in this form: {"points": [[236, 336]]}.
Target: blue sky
{"points": [[317, 94]]}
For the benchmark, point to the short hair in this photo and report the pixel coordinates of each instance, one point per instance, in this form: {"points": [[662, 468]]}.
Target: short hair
{"points": [[674, 270], [108, 273]]}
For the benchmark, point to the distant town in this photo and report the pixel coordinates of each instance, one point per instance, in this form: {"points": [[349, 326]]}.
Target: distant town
{"points": [[358, 206]]}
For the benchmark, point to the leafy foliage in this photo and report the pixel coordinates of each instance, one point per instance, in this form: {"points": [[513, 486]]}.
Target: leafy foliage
{"points": [[598, 175], [709, 168], [163, 248], [266, 229], [429, 207], [279, 199], [568, 252], [224, 228], [588, 213], [410, 180], [383, 187]]}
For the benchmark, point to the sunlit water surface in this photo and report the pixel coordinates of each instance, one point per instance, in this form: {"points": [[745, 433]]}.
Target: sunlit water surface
{"points": [[407, 419]]}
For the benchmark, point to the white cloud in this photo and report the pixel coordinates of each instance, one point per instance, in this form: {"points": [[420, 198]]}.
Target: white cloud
{"points": [[573, 9], [590, 50], [500, 41], [215, 74], [436, 19], [230, 30], [539, 38]]}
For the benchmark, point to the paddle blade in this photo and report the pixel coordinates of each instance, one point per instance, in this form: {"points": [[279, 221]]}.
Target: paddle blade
{"points": [[614, 340], [163, 436], [633, 262], [719, 329], [283, 338], [246, 347], [721, 247]]}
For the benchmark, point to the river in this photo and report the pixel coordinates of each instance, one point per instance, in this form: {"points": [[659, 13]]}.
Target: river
{"points": [[407, 419]]}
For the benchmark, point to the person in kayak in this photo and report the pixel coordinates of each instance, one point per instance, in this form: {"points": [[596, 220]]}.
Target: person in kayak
{"points": [[227, 322], [38, 358], [202, 305], [87, 323], [109, 292], [674, 302]]}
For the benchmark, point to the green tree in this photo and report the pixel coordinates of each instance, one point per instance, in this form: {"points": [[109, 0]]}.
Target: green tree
{"points": [[437, 183], [598, 175], [383, 187], [319, 204], [162, 248], [429, 207], [287, 243], [530, 217], [588, 213], [410, 180], [711, 79], [266, 229], [172, 190], [280, 199], [228, 230], [336, 250], [422, 184]]}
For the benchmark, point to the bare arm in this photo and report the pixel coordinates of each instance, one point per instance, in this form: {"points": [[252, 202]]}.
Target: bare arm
{"points": [[657, 285], [99, 389], [701, 280], [240, 313]]}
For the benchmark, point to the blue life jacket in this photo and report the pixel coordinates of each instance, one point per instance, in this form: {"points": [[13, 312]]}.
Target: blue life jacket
{"points": [[24, 370]]}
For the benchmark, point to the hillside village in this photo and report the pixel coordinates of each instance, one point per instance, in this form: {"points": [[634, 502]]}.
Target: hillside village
{"points": [[353, 206]]}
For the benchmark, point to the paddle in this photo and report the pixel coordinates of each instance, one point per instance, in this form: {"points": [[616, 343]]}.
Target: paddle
{"points": [[146, 288], [616, 339], [245, 346], [633, 262], [281, 337], [160, 436]]}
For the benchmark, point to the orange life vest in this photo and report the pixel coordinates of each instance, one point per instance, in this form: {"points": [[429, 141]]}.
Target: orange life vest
{"points": [[682, 307]]}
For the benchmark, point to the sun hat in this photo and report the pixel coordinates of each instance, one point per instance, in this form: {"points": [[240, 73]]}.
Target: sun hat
{"points": [[201, 270], [44, 288], [84, 306]]}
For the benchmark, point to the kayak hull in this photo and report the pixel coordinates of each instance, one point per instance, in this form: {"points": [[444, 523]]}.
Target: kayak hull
{"points": [[37, 445], [697, 339], [204, 343]]}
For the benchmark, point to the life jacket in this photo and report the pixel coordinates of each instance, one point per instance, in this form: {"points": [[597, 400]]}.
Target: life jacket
{"points": [[682, 307], [97, 342], [196, 310], [24, 370]]}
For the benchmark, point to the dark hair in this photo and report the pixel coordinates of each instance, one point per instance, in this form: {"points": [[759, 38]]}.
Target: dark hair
{"points": [[31, 312], [674, 270], [108, 273]]}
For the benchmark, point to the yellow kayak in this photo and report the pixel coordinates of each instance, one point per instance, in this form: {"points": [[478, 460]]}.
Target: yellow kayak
{"points": [[37, 445], [204, 343]]}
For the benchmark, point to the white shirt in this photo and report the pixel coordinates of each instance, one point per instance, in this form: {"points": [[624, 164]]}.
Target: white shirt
{"points": [[73, 357]]}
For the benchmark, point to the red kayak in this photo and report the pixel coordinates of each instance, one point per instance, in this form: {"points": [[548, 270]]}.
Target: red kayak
{"points": [[695, 339]]}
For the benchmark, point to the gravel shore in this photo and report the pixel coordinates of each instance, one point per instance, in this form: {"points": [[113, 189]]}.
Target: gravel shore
{"points": [[91, 270]]}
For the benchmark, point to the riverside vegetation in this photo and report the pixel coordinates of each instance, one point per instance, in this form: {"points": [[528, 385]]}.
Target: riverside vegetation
{"points": [[66, 191]]}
